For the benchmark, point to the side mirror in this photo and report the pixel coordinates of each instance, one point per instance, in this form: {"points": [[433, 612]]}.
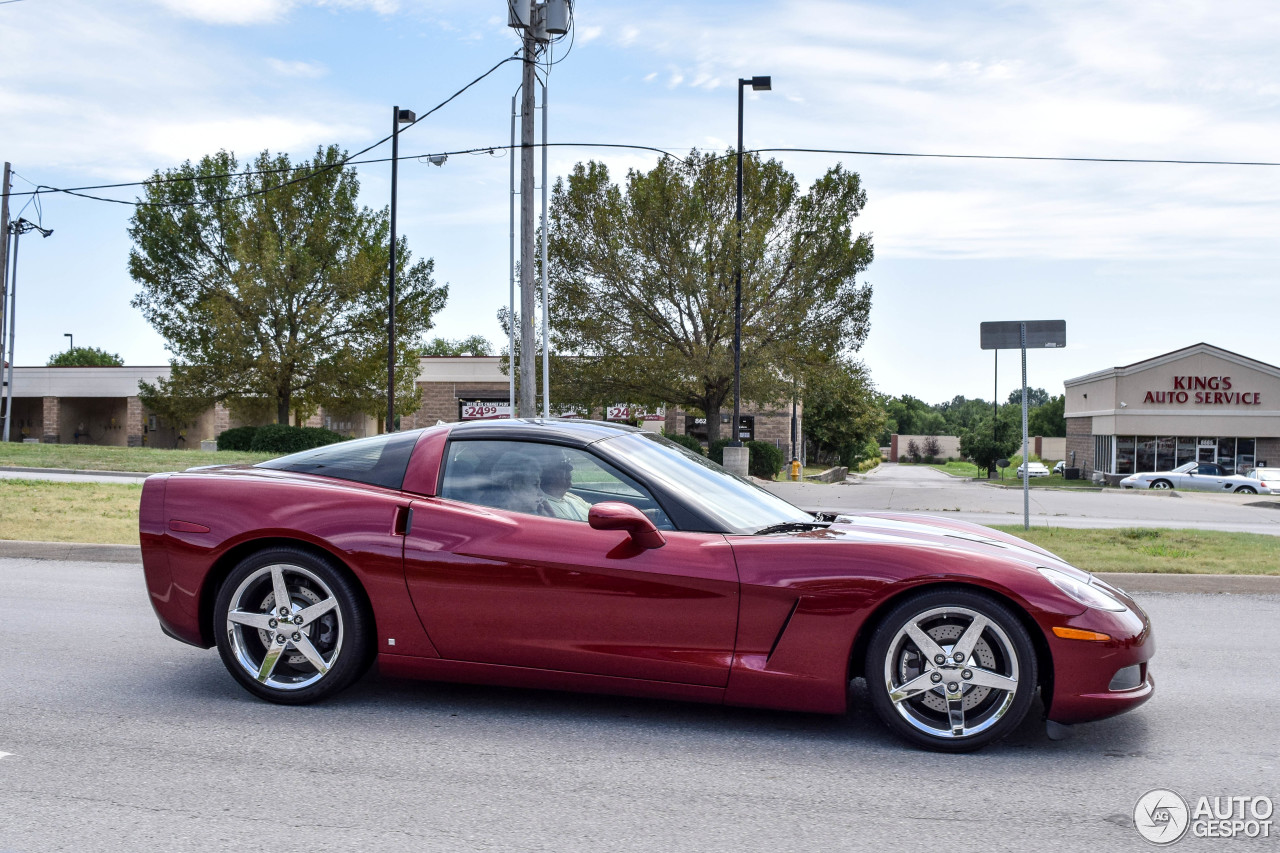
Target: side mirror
{"points": [[615, 515]]}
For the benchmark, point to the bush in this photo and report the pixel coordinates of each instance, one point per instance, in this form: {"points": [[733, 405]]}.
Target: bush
{"points": [[281, 438], [764, 461], [715, 451], [237, 438], [932, 447], [913, 450], [687, 441], [903, 458]]}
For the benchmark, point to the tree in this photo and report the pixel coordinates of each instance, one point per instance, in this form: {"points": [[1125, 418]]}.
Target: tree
{"points": [[841, 411], [1035, 397], [85, 357], [272, 283], [1048, 419], [906, 415], [984, 447], [474, 345], [642, 279]]}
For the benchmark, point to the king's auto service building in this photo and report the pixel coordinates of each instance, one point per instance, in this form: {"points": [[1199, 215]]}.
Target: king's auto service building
{"points": [[1200, 403]]}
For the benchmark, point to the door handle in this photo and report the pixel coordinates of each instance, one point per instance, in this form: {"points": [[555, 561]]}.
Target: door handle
{"points": [[404, 521]]}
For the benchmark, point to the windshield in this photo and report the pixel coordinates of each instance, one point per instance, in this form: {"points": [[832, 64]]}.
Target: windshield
{"points": [[1185, 467], [738, 504]]}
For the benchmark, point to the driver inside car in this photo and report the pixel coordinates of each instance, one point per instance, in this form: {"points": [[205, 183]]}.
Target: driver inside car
{"points": [[557, 477]]}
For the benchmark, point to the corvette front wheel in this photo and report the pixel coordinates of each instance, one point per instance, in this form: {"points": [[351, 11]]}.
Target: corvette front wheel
{"points": [[951, 670], [290, 627]]}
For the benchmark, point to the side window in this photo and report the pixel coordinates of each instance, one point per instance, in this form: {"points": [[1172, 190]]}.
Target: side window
{"points": [[540, 479]]}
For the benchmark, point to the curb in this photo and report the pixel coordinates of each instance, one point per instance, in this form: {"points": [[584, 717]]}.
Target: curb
{"points": [[78, 551], [85, 471]]}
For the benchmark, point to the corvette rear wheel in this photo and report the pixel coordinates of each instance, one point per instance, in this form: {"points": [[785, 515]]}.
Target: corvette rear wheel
{"points": [[951, 670], [290, 627]]}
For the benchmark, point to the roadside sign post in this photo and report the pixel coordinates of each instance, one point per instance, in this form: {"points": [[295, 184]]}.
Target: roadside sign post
{"points": [[1020, 334]]}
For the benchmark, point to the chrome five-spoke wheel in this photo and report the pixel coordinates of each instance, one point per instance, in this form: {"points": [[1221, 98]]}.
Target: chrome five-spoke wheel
{"points": [[290, 628], [951, 670]]}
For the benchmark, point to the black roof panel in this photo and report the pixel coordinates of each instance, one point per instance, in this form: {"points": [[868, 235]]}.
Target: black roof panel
{"points": [[571, 431]]}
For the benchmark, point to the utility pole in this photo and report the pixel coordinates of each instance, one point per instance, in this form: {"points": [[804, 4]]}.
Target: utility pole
{"points": [[4, 282], [538, 25], [528, 346]]}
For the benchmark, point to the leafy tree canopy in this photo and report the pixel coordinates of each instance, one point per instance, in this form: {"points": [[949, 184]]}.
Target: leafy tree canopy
{"points": [[841, 409], [1035, 397], [1048, 419], [85, 357], [642, 279], [271, 283], [474, 345]]}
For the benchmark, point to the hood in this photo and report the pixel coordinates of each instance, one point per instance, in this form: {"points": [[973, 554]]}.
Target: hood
{"points": [[949, 533]]}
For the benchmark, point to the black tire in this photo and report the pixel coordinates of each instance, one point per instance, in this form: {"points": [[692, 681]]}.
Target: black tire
{"points": [[924, 714], [323, 646], [1161, 484], [1246, 490]]}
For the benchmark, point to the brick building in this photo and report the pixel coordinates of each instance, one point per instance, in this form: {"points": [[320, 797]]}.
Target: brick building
{"points": [[1200, 403]]}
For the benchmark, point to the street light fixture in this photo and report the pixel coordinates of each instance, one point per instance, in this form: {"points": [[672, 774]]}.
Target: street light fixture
{"points": [[398, 117], [757, 84], [72, 344]]}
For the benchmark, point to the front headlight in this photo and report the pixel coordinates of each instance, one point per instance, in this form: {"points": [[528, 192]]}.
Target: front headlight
{"points": [[1086, 594]]}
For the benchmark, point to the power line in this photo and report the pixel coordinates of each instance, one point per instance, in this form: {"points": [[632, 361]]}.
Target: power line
{"points": [[351, 161], [325, 168]]}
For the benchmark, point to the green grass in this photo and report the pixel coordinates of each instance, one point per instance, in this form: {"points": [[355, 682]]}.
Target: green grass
{"points": [[146, 460], [42, 511], [1011, 479], [1149, 549]]}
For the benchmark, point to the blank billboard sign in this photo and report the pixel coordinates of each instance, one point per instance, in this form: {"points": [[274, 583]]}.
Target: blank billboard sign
{"points": [[1041, 334]]}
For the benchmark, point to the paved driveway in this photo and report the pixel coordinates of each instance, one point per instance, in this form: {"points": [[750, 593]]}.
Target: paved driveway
{"points": [[917, 488]]}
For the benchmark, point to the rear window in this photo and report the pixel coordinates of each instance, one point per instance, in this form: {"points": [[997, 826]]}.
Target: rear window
{"points": [[377, 461]]}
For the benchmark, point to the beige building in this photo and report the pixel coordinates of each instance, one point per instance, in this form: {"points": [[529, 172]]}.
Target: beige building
{"points": [[100, 405], [1200, 403]]}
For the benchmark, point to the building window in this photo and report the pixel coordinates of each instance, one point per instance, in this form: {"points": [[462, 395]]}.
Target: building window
{"points": [[1146, 453], [1186, 450], [1245, 448], [1227, 454], [1165, 456], [1125, 454]]}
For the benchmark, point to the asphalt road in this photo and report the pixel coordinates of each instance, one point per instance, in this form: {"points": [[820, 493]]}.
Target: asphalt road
{"points": [[917, 488], [119, 738]]}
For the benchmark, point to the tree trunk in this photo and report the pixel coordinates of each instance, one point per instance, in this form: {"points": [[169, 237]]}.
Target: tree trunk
{"points": [[713, 424], [282, 408]]}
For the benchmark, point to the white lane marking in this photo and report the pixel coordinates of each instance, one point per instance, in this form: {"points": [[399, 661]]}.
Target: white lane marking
{"points": [[4, 755]]}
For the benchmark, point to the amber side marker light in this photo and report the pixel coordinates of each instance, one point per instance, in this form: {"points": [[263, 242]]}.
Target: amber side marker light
{"points": [[1078, 634]]}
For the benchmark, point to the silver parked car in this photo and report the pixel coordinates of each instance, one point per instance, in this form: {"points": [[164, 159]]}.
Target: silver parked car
{"points": [[1197, 476]]}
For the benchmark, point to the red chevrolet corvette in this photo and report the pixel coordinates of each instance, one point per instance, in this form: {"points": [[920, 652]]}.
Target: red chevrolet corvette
{"points": [[577, 555]]}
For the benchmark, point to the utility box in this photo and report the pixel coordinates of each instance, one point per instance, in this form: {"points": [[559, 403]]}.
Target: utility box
{"points": [[1071, 473]]}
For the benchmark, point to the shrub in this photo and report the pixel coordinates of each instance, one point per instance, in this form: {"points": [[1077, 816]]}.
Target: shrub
{"points": [[903, 458], [764, 460], [687, 441], [932, 448], [281, 438], [913, 450], [715, 451], [237, 438], [928, 459]]}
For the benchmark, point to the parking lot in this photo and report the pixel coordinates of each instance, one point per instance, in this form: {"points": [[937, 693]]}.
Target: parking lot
{"points": [[119, 738]]}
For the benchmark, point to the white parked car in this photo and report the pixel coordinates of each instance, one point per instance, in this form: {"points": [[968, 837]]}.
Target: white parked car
{"points": [[1035, 469], [1200, 477]]}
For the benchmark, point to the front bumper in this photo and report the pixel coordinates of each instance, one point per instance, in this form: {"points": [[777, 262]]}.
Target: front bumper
{"points": [[1083, 671]]}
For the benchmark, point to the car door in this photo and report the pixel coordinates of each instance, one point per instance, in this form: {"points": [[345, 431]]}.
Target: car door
{"points": [[496, 579], [1207, 477]]}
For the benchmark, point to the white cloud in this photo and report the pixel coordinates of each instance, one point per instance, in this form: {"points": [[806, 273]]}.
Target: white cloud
{"points": [[297, 68], [248, 12]]}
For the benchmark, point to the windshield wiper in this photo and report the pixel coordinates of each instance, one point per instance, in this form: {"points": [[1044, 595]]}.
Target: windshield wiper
{"points": [[787, 526]]}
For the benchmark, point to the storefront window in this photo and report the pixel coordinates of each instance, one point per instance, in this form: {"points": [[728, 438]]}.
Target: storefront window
{"points": [[1244, 454], [1186, 450], [1227, 454], [1124, 454], [1146, 454], [1165, 456]]}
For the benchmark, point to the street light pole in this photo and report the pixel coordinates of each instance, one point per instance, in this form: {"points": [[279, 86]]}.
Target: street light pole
{"points": [[398, 117], [72, 344], [758, 84]]}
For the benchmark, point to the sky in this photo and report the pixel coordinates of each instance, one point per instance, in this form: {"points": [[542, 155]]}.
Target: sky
{"points": [[1138, 259]]}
